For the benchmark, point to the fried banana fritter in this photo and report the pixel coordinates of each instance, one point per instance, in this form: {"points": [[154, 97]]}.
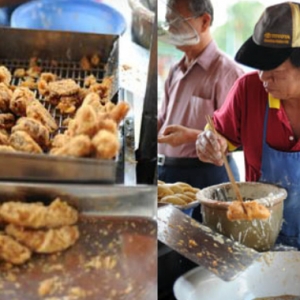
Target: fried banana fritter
{"points": [[106, 144], [35, 129], [64, 87], [13, 252], [6, 148], [119, 112], [21, 97], [7, 121], [5, 97], [78, 146], [5, 75], [36, 215], [44, 241], [37, 111], [22, 141], [84, 122], [4, 139], [93, 100]]}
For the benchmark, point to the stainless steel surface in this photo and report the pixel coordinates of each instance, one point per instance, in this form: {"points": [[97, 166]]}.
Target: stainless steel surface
{"points": [[115, 257], [43, 167], [220, 255], [117, 200], [18, 46]]}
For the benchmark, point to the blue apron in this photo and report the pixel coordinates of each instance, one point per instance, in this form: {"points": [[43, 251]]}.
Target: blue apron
{"points": [[283, 168]]}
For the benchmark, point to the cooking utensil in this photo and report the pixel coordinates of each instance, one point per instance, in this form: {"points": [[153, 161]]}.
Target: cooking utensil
{"points": [[220, 255], [227, 167], [63, 58]]}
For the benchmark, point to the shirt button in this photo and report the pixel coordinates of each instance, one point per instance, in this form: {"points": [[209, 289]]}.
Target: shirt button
{"points": [[291, 138]]}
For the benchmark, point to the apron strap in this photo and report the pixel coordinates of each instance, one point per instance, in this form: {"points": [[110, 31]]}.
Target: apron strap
{"points": [[266, 123]]}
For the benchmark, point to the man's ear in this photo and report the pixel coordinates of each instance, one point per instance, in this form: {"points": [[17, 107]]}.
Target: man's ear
{"points": [[206, 19]]}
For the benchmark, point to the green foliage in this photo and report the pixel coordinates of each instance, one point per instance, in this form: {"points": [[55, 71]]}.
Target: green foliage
{"points": [[242, 17]]}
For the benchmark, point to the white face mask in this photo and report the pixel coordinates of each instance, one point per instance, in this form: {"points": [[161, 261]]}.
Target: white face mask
{"points": [[177, 30]]}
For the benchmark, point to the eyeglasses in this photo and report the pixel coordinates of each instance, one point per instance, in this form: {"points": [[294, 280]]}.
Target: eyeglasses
{"points": [[180, 19], [178, 31]]}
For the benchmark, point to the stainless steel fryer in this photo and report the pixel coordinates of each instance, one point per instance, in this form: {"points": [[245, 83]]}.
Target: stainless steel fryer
{"points": [[60, 53], [115, 257]]}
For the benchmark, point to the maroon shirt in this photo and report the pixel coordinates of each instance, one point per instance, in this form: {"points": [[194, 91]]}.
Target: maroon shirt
{"points": [[241, 121], [191, 95]]}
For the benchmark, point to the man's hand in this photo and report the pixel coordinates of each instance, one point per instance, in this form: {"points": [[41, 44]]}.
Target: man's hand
{"points": [[176, 135], [210, 147]]}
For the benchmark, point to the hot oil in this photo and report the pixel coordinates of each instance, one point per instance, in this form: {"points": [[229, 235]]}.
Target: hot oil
{"points": [[114, 258]]}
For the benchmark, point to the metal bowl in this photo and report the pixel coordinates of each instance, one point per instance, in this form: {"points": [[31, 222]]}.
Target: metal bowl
{"points": [[275, 274], [257, 234]]}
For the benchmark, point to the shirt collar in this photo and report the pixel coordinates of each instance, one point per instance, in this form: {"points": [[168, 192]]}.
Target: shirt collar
{"points": [[206, 56], [273, 102]]}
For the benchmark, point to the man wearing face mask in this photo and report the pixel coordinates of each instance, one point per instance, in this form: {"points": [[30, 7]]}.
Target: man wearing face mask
{"points": [[262, 112], [196, 86]]}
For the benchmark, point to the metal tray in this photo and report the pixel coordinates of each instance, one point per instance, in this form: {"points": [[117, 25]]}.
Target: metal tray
{"points": [[18, 46], [115, 257]]}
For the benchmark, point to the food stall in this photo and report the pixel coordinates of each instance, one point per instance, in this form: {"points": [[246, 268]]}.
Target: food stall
{"points": [[108, 251]]}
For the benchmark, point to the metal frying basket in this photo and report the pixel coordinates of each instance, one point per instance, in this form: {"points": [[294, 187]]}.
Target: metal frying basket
{"points": [[60, 53]]}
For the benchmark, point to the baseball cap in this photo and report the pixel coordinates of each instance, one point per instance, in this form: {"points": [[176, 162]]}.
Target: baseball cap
{"points": [[275, 36]]}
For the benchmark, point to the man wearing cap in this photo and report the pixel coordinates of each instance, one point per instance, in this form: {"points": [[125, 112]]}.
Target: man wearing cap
{"points": [[262, 112], [196, 86]]}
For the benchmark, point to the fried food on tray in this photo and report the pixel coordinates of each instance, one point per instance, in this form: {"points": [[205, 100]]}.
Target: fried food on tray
{"points": [[29, 82], [175, 193], [35, 129], [43, 82], [44, 241], [3, 139], [37, 111], [6, 148], [5, 97], [106, 144], [109, 106], [22, 141], [119, 112], [89, 80], [85, 64], [21, 97], [13, 252], [34, 71], [64, 87], [248, 210], [5, 75], [93, 100], [108, 124], [48, 77], [78, 146], [20, 72], [7, 121], [95, 60], [173, 200], [163, 191], [102, 89], [42, 87], [67, 104], [60, 140], [85, 122], [37, 216]]}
